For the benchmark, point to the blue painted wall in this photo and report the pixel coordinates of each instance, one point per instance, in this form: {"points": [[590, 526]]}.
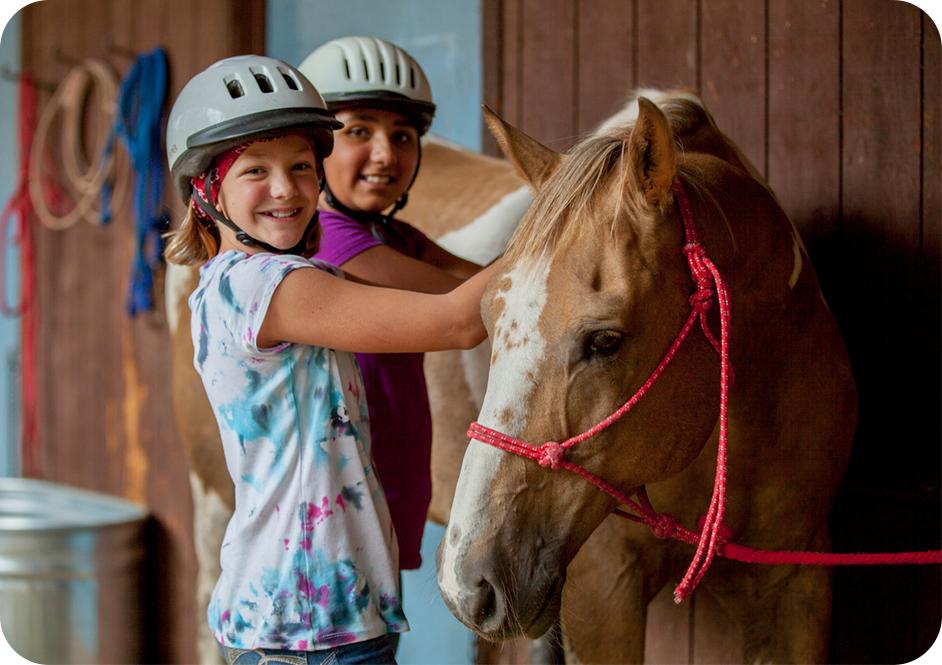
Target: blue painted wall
{"points": [[445, 37], [9, 328]]}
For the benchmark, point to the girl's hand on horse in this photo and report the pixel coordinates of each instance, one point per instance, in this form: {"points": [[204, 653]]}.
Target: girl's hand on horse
{"points": [[314, 307]]}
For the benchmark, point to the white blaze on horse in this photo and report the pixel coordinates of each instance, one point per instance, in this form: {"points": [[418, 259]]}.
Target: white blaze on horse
{"points": [[596, 287]]}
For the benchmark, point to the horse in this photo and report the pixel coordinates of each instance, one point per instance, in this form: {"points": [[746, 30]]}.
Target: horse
{"points": [[470, 203], [647, 228]]}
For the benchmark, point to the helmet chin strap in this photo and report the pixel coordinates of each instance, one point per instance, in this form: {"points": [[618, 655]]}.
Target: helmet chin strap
{"points": [[365, 216], [248, 240]]}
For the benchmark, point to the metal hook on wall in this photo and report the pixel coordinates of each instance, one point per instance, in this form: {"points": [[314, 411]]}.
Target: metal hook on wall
{"points": [[61, 56], [118, 49], [9, 75]]}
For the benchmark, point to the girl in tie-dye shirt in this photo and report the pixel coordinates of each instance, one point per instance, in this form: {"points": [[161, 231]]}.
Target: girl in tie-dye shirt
{"points": [[309, 560]]}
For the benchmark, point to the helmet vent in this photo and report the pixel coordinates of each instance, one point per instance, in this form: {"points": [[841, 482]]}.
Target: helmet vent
{"points": [[346, 68], [382, 70], [234, 87], [411, 77], [398, 75], [289, 79], [264, 83]]}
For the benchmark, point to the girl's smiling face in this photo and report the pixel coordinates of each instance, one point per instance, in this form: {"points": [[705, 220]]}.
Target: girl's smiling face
{"points": [[374, 158], [270, 193]]}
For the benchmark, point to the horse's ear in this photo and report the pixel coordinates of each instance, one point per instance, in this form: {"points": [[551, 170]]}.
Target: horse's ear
{"points": [[651, 151], [533, 160]]}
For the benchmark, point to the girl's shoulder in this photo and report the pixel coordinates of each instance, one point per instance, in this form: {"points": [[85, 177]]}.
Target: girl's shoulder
{"points": [[233, 261], [238, 276]]}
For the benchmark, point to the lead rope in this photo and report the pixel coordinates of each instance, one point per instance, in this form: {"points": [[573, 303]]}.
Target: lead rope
{"points": [[138, 123], [704, 271], [85, 179], [20, 207]]}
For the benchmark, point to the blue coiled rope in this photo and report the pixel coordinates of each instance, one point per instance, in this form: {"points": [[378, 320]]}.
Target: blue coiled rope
{"points": [[138, 124]]}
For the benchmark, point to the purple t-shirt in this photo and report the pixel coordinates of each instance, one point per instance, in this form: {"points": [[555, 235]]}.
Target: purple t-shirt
{"points": [[397, 398]]}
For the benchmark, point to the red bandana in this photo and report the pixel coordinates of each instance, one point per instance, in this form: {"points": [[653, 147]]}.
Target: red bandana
{"points": [[213, 176]]}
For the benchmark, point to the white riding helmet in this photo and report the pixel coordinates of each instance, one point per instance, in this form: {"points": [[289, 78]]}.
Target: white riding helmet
{"points": [[238, 98], [367, 71]]}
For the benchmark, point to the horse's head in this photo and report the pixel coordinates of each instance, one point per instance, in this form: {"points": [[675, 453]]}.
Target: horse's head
{"points": [[595, 290]]}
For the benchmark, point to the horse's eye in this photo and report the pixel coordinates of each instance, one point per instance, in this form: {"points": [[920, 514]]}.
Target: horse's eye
{"points": [[604, 342]]}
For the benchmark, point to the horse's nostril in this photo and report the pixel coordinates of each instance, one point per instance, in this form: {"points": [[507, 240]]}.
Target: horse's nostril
{"points": [[485, 602]]}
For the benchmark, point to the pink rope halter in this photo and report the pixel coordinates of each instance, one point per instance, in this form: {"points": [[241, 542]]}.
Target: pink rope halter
{"points": [[712, 539], [550, 454]]}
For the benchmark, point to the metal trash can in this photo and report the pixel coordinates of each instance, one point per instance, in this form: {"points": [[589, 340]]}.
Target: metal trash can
{"points": [[71, 567]]}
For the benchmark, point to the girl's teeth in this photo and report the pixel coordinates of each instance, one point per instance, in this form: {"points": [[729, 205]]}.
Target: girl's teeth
{"points": [[287, 213], [377, 179]]}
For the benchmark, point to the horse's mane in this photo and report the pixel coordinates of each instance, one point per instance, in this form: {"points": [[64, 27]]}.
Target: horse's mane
{"points": [[572, 189]]}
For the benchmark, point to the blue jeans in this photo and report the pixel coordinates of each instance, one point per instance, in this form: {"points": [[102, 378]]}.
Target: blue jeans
{"points": [[378, 651]]}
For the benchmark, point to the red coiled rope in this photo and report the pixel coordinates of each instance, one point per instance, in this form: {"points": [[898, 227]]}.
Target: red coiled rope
{"points": [[20, 207], [712, 539]]}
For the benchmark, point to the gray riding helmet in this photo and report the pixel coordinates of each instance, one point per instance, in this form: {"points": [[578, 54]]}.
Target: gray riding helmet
{"points": [[368, 71], [237, 99]]}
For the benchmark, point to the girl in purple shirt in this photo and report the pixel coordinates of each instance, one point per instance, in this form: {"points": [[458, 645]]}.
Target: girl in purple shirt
{"points": [[383, 98]]}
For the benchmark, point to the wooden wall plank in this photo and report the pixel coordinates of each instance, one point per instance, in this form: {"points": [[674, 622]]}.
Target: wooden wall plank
{"points": [[65, 350], [668, 45], [884, 278], [247, 26], [881, 125], [492, 26], [35, 61], [732, 72], [605, 60], [932, 144], [156, 462], [511, 50], [881, 216], [101, 288], [804, 116], [548, 91], [122, 28], [928, 582]]}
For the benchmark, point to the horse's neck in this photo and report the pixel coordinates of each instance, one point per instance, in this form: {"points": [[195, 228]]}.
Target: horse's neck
{"points": [[747, 235]]}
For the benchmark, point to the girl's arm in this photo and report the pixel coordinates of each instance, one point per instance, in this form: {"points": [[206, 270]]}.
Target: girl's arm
{"points": [[313, 307], [384, 265], [444, 260]]}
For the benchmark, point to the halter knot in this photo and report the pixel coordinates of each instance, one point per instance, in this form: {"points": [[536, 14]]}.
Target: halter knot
{"points": [[550, 454], [694, 250], [723, 533], [663, 526], [702, 298]]}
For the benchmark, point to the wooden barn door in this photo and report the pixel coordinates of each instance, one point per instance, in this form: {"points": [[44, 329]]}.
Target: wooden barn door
{"points": [[105, 420], [838, 104]]}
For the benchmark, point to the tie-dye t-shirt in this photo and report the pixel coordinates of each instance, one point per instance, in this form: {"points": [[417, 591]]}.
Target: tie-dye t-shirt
{"points": [[309, 559]]}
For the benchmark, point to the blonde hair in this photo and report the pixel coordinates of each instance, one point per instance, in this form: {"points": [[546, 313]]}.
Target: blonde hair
{"points": [[194, 243], [197, 241]]}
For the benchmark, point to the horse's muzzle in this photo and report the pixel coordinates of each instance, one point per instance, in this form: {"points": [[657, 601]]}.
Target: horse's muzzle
{"points": [[498, 601]]}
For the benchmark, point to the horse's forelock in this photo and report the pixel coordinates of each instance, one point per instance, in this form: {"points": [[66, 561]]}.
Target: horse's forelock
{"points": [[570, 192]]}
